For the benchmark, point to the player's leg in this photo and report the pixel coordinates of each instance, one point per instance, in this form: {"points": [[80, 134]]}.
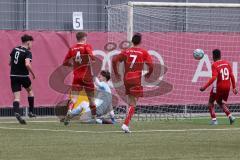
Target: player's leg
{"points": [[212, 110], [74, 93], [16, 88], [133, 91], [90, 95], [28, 86], [74, 112], [104, 121], [104, 106], [132, 101], [90, 92], [112, 114], [222, 102], [73, 96]]}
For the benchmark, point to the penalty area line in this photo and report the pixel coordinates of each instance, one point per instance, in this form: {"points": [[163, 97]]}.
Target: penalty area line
{"points": [[136, 131]]}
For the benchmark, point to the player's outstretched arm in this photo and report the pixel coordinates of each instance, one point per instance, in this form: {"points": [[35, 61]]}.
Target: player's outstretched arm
{"points": [[235, 91], [90, 52], [210, 81], [115, 63], [68, 59], [149, 63], [97, 82], [29, 67]]}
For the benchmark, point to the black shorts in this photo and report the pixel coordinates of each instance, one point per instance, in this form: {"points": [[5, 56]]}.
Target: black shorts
{"points": [[18, 82]]}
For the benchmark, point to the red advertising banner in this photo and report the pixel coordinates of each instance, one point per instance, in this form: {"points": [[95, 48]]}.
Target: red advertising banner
{"points": [[178, 76]]}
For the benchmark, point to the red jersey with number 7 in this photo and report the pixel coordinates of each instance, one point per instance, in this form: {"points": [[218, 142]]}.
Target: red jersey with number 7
{"points": [[223, 75], [134, 59], [80, 55]]}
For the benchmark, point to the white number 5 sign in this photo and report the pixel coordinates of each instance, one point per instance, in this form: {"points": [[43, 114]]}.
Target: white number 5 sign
{"points": [[77, 21]]}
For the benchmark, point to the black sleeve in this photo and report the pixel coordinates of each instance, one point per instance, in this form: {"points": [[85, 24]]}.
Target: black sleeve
{"points": [[29, 55], [13, 51]]}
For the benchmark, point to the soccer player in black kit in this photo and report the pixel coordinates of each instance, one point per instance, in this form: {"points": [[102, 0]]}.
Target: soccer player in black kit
{"points": [[20, 62]]}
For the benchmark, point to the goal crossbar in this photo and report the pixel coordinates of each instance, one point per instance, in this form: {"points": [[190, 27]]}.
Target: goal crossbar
{"points": [[131, 5], [177, 4]]}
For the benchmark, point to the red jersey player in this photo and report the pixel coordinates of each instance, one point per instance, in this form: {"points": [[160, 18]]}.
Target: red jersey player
{"points": [[80, 56], [134, 59], [222, 77]]}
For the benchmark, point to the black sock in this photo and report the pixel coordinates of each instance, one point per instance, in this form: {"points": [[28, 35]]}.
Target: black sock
{"points": [[31, 103], [16, 107]]}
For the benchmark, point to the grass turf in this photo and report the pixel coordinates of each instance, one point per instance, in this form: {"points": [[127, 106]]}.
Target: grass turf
{"points": [[163, 140]]}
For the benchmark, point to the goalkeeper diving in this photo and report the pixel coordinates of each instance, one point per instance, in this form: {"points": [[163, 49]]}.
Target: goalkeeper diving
{"points": [[103, 101]]}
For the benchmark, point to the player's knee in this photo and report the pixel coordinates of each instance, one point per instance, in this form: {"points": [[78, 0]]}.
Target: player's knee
{"points": [[220, 102], [30, 93], [210, 104], [16, 100], [17, 96]]}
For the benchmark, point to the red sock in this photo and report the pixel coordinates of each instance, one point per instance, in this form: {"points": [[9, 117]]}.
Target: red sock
{"points": [[225, 109], [130, 113], [212, 112], [93, 109]]}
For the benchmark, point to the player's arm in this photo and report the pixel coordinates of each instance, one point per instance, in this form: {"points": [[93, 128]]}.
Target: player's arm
{"points": [[29, 67], [115, 63], [98, 83], [9, 63], [232, 78], [10, 58], [90, 52], [210, 81], [149, 63], [67, 60]]}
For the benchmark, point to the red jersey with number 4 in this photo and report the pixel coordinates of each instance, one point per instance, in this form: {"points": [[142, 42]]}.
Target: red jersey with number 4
{"points": [[80, 55], [134, 59], [222, 75]]}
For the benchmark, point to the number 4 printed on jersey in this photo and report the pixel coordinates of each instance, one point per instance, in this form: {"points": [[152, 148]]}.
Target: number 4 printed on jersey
{"points": [[78, 58]]}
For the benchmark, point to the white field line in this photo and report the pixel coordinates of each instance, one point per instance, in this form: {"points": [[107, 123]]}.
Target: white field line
{"points": [[139, 131], [15, 121]]}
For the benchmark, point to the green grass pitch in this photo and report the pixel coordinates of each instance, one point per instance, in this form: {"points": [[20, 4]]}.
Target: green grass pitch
{"points": [[190, 139]]}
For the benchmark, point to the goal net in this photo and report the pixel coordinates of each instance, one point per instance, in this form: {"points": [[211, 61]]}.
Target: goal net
{"points": [[171, 31]]}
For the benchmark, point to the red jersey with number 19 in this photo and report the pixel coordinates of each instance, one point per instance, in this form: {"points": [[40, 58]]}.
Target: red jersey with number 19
{"points": [[222, 73]]}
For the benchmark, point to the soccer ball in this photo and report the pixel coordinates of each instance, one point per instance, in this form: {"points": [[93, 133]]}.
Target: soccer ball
{"points": [[198, 54]]}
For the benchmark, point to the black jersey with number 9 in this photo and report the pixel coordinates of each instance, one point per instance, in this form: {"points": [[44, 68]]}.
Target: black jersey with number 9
{"points": [[18, 56]]}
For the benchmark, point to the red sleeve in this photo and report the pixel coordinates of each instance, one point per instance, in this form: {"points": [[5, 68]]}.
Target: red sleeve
{"points": [[90, 51], [67, 57], [214, 77], [149, 62], [232, 77], [116, 60]]}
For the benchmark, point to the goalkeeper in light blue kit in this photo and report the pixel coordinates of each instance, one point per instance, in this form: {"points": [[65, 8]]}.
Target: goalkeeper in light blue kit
{"points": [[103, 101]]}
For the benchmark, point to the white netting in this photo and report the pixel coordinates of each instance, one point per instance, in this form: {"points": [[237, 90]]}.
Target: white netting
{"points": [[173, 33]]}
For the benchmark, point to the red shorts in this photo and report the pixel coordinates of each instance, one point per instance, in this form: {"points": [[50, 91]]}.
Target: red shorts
{"points": [[220, 95], [80, 84], [132, 82], [134, 90]]}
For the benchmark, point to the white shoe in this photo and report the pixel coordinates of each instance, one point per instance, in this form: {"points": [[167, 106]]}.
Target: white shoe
{"points": [[98, 121], [125, 128]]}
